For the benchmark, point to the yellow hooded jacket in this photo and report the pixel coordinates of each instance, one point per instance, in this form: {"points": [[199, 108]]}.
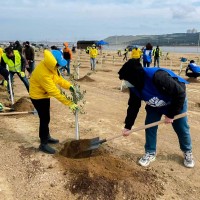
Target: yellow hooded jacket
{"points": [[44, 79], [1, 52], [93, 53], [136, 53]]}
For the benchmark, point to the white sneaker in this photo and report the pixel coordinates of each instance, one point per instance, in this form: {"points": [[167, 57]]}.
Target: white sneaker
{"points": [[147, 159], [188, 159]]}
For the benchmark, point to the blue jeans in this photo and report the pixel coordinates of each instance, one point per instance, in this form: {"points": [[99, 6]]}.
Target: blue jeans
{"points": [[67, 67], [93, 63], [180, 126], [31, 65], [23, 79]]}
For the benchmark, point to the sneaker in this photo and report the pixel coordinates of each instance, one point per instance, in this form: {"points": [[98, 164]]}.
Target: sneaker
{"points": [[147, 159], [53, 141], [188, 159], [47, 149]]}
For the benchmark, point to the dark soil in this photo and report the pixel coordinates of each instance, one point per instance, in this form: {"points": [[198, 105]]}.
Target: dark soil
{"points": [[76, 149], [104, 176], [86, 79], [23, 104]]}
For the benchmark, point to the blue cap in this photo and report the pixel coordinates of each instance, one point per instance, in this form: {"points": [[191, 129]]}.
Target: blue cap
{"points": [[59, 57]]}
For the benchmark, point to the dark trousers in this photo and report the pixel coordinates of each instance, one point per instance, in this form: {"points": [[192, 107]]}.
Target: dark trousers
{"points": [[125, 57], [43, 108], [31, 66], [146, 64], [23, 79], [4, 72]]}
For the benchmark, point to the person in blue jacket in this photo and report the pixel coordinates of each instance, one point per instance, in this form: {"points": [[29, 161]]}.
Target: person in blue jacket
{"points": [[192, 70], [164, 94], [147, 55]]}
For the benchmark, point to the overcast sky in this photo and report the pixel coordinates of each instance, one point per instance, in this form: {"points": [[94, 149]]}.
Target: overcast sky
{"points": [[72, 20]]}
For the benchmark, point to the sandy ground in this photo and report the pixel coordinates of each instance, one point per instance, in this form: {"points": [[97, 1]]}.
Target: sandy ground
{"points": [[112, 172]]}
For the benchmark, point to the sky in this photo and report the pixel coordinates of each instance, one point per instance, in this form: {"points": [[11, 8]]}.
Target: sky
{"points": [[72, 20]]}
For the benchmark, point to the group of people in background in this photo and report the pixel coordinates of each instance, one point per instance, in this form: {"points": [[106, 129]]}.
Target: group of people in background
{"points": [[146, 54]]}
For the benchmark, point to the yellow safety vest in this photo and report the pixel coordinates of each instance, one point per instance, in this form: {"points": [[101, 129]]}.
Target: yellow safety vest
{"points": [[13, 67]]}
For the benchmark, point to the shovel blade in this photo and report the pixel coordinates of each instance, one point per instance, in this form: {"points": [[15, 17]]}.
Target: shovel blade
{"points": [[94, 144]]}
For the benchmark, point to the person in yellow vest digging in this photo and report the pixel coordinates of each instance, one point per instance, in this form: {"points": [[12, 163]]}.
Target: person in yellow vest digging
{"points": [[16, 65], [43, 86], [93, 54]]}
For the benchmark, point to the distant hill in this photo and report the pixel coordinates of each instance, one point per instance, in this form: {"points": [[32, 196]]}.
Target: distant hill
{"points": [[175, 39]]}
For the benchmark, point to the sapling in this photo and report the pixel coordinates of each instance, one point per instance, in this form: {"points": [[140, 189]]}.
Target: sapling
{"points": [[77, 96]]}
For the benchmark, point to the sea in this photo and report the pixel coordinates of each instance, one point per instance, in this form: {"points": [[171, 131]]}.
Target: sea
{"points": [[164, 49]]}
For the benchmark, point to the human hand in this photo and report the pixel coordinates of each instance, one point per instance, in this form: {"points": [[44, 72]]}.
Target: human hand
{"points": [[168, 120], [73, 107], [5, 83], [126, 132], [71, 88], [22, 74]]}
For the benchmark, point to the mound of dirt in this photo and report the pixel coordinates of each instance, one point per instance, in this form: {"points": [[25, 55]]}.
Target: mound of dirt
{"points": [[23, 104], [76, 149], [86, 78], [104, 176]]}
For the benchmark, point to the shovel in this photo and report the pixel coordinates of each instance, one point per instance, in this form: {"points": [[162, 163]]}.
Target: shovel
{"points": [[95, 142], [10, 87], [19, 113]]}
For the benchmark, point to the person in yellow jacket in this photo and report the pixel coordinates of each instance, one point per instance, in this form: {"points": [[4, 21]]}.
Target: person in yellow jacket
{"points": [[43, 83], [136, 53], [16, 65], [93, 54]]}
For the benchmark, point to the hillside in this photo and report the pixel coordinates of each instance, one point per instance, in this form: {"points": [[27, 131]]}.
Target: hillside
{"points": [[175, 39]]}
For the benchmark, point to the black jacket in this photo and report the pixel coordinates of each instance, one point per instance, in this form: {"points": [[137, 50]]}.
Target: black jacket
{"points": [[164, 83]]}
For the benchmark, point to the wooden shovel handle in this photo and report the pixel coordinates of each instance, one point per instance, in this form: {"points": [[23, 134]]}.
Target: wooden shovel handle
{"points": [[148, 125], [16, 113]]}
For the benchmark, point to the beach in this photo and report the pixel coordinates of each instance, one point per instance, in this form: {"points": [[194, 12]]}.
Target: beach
{"points": [[112, 172]]}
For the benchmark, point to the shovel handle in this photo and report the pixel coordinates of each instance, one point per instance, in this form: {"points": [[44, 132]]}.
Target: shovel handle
{"points": [[148, 125], [17, 113]]}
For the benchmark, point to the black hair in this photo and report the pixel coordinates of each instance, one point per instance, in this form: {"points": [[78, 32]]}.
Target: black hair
{"points": [[54, 47], [149, 46], [192, 61], [8, 50]]}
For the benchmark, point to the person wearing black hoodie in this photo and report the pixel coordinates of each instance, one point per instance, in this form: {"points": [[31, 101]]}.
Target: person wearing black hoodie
{"points": [[164, 94]]}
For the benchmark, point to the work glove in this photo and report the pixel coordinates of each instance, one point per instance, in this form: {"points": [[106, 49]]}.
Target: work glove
{"points": [[22, 74], [71, 88], [5, 83], [74, 107], [1, 106]]}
